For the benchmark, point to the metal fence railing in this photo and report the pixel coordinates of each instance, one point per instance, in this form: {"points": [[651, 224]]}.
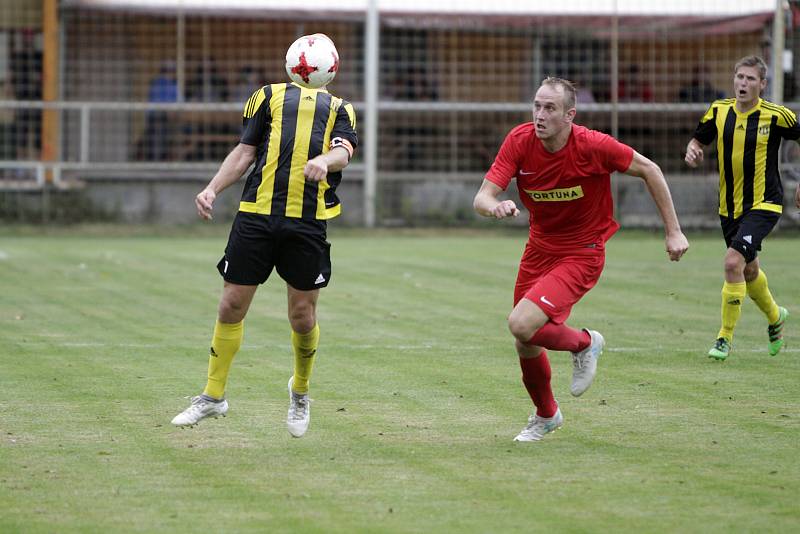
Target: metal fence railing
{"points": [[154, 97]]}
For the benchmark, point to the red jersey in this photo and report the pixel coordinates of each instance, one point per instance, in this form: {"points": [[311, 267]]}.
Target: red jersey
{"points": [[568, 193]]}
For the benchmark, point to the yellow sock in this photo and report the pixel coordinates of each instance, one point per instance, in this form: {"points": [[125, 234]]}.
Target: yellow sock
{"points": [[224, 346], [732, 297], [758, 290], [305, 351]]}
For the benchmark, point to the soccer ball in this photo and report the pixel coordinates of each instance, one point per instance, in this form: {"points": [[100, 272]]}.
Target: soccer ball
{"points": [[312, 61]]}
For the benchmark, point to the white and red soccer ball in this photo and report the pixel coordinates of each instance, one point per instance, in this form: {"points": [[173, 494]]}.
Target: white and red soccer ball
{"points": [[312, 61]]}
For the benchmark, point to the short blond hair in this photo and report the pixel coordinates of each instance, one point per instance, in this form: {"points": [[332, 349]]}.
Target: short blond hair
{"points": [[752, 61]]}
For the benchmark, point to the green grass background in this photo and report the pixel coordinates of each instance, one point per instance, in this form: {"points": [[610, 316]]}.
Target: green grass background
{"points": [[416, 391]]}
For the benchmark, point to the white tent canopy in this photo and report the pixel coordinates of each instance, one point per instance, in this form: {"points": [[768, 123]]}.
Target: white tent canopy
{"points": [[495, 8]]}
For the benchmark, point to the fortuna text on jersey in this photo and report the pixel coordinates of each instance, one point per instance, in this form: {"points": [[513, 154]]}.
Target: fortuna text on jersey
{"points": [[556, 195]]}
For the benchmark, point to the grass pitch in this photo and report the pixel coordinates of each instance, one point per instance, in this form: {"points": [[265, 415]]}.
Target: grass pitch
{"points": [[417, 395]]}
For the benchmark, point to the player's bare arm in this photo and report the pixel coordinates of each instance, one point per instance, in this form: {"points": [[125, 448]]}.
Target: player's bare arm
{"points": [[676, 243], [317, 169], [487, 204], [694, 153], [797, 196], [233, 167]]}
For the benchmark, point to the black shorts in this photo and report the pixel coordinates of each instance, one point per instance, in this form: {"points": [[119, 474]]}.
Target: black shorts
{"points": [[296, 248], [746, 233]]}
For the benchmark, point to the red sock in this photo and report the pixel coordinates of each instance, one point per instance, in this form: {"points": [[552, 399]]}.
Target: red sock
{"points": [[536, 377], [560, 337]]}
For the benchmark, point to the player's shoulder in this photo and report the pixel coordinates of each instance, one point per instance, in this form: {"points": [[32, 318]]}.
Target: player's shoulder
{"points": [[723, 102], [526, 128], [262, 93], [772, 106], [588, 144], [578, 130], [255, 101], [785, 116], [338, 103], [719, 108], [260, 90], [277, 86], [587, 136], [521, 132]]}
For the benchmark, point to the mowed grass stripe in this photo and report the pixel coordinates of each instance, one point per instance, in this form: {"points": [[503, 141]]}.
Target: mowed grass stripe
{"points": [[416, 389]]}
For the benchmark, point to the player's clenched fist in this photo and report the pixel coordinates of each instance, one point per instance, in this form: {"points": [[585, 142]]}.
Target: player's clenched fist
{"points": [[316, 170], [694, 154], [676, 245], [205, 203], [504, 209]]}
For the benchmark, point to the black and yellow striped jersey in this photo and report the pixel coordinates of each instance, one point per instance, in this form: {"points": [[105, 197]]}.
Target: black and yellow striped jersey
{"points": [[290, 125], [747, 147]]}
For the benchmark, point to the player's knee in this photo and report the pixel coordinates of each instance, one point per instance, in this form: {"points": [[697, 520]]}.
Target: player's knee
{"points": [[231, 311], [521, 329], [751, 271], [302, 318], [734, 265]]}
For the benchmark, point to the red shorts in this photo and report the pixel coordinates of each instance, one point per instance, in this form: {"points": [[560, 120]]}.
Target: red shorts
{"points": [[556, 283]]}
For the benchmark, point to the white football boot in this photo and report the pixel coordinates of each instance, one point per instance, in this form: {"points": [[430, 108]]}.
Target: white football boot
{"points": [[537, 426], [584, 364], [199, 410], [299, 412]]}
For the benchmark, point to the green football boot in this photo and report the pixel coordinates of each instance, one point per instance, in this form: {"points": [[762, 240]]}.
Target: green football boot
{"points": [[720, 350], [775, 332]]}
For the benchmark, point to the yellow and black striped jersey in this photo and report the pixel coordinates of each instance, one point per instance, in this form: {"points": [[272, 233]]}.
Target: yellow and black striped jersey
{"points": [[747, 148], [290, 125]]}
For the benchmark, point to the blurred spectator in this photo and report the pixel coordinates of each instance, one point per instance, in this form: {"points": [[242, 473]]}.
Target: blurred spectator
{"points": [[413, 140], [633, 88], [163, 88], [584, 95], [247, 81], [207, 84], [583, 91], [700, 88], [26, 80], [207, 135]]}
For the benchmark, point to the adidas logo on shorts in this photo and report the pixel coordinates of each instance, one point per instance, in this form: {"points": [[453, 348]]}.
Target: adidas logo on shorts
{"points": [[320, 279]]}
